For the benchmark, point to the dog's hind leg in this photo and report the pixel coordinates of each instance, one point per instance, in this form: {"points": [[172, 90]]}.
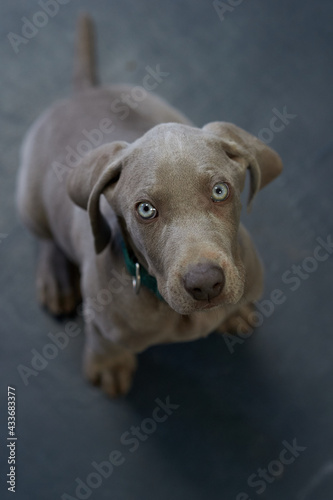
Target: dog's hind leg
{"points": [[58, 280]]}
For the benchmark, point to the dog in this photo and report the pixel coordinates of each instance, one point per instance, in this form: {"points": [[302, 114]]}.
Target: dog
{"points": [[144, 225]]}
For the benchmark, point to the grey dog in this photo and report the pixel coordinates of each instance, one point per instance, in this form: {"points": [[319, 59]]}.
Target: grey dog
{"points": [[148, 221]]}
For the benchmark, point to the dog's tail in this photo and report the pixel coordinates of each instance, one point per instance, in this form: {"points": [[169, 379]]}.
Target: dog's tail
{"points": [[84, 64]]}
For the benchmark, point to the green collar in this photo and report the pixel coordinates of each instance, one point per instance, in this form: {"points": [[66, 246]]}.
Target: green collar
{"points": [[139, 273]]}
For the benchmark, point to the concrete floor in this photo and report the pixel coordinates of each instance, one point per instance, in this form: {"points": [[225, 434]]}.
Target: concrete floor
{"points": [[241, 407]]}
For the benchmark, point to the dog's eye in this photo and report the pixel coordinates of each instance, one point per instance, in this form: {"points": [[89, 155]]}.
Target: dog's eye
{"points": [[220, 191], [146, 210]]}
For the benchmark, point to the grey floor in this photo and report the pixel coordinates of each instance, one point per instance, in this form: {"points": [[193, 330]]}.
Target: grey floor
{"points": [[241, 406]]}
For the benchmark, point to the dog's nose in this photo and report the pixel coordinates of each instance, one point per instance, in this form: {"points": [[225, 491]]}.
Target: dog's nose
{"points": [[204, 281]]}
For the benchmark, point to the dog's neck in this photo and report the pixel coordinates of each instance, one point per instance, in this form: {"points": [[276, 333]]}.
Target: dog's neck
{"points": [[140, 275]]}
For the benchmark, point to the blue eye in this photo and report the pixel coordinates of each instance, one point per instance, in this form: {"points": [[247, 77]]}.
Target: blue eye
{"points": [[220, 192], [146, 210]]}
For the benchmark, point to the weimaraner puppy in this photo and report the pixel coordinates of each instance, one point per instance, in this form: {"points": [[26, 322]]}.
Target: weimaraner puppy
{"points": [[138, 212]]}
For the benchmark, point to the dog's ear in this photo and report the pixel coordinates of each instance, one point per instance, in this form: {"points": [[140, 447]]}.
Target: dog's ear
{"points": [[263, 163], [86, 182]]}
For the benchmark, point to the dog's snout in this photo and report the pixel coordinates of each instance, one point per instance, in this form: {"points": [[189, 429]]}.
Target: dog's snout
{"points": [[204, 281]]}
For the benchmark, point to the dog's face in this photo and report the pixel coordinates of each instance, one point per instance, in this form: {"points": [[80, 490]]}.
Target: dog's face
{"points": [[176, 192], [178, 196]]}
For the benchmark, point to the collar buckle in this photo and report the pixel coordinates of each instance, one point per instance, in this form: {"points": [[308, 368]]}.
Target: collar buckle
{"points": [[136, 280]]}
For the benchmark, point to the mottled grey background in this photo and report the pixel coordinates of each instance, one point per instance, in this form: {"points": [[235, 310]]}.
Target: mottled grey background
{"points": [[235, 410]]}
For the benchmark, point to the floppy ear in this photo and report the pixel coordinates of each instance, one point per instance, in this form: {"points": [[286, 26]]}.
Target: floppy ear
{"points": [[86, 182], [264, 163]]}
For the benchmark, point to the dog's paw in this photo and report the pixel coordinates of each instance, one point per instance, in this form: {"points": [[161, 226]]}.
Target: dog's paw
{"points": [[112, 372], [57, 300], [58, 281], [240, 321]]}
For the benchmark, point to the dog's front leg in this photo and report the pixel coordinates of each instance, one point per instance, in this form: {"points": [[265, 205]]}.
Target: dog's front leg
{"points": [[107, 364]]}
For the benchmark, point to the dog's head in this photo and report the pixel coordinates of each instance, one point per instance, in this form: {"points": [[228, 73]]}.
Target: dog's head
{"points": [[176, 193]]}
